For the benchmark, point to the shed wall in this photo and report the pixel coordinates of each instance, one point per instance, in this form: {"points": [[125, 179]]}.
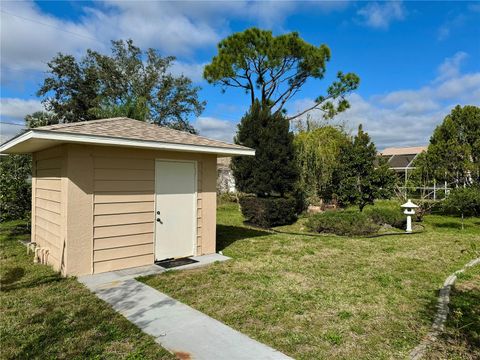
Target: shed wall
{"points": [[121, 183], [48, 206]]}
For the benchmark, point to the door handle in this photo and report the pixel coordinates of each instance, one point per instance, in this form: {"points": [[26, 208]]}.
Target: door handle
{"points": [[160, 221]]}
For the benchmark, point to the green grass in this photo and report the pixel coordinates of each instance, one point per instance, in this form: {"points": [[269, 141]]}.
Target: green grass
{"points": [[45, 316], [326, 296]]}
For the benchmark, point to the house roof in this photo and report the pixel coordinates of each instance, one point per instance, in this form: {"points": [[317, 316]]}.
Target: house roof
{"points": [[413, 150], [119, 132], [401, 161]]}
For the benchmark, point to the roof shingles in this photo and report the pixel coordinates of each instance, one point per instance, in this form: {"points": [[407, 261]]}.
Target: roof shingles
{"points": [[126, 128]]}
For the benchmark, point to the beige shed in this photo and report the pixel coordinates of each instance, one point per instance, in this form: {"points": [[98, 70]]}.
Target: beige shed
{"points": [[118, 193]]}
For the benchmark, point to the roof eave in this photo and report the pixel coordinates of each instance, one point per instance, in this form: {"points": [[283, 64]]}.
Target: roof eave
{"points": [[35, 140]]}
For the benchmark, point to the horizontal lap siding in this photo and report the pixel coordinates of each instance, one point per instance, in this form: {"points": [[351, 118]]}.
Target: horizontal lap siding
{"points": [[47, 206], [123, 212]]}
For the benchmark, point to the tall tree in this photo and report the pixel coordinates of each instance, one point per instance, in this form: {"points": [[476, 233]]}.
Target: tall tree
{"points": [[273, 69], [317, 155], [357, 180], [40, 118], [129, 82], [272, 171], [453, 154]]}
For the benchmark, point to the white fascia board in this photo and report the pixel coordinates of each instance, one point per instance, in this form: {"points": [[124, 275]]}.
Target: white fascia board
{"points": [[15, 141], [114, 141]]}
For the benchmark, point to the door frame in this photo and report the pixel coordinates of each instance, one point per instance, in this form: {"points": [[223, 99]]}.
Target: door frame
{"points": [[195, 206]]}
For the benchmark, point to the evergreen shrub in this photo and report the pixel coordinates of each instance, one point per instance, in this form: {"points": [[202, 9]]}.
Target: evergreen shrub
{"points": [[15, 190], [387, 216], [342, 223], [269, 211]]}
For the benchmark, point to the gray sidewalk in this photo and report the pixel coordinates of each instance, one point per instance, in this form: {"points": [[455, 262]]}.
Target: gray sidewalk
{"points": [[174, 325]]}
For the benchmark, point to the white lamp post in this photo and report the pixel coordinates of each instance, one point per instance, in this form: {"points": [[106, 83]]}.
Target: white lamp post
{"points": [[409, 207]]}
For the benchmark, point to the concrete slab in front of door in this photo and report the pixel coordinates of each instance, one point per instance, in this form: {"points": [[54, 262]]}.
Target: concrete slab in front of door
{"points": [[176, 326], [132, 273]]}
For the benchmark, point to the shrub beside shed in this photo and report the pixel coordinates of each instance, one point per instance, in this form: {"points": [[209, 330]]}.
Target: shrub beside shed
{"points": [[118, 193]]}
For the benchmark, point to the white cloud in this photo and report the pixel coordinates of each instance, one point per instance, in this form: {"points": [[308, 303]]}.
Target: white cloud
{"points": [[452, 23], [465, 87], [215, 128], [408, 117], [15, 109], [380, 15], [193, 71], [8, 131], [451, 66], [391, 126], [30, 37], [12, 114]]}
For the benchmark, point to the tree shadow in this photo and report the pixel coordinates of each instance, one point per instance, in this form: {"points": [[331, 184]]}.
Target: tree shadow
{"points": [[12, 275], [464, 318], [449, 225], [228, 234], [462, 326], [31, 283], [20, 229]]}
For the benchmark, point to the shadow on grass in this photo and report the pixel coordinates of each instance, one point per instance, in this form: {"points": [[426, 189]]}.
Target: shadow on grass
{"points": [[30, 284], [12, 275], [462, 328], [464, 319], [450, 225], [228, 234]]}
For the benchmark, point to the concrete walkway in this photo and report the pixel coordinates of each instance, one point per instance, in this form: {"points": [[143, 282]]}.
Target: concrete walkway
{"points": [[179, 328]]}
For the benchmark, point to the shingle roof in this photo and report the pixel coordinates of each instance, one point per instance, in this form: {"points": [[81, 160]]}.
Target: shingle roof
{"points": [[126, 128], [403, 150]]}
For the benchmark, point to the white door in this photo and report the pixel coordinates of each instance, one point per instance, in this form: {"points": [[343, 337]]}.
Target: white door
{"points": [[175, 209]]}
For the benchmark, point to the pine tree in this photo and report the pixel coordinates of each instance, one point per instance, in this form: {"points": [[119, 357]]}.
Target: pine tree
{"points": [[272, 171], [357, 181]]}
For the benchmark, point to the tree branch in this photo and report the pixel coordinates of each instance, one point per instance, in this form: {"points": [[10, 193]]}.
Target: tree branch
{"points": [[314, 107]]}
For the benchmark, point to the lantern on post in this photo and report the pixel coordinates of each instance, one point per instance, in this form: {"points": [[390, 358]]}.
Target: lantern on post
{"points": [[409, 207]]}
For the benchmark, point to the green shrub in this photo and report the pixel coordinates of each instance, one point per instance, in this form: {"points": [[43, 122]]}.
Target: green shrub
{"points": [[15, 191], [227, 198], [387, 216], [342, 223], [270, 211], [463, 201]]}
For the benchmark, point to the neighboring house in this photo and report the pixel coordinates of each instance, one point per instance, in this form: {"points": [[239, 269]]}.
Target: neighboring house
{"points": [[225, 179], [118, 193], [400, 159]]}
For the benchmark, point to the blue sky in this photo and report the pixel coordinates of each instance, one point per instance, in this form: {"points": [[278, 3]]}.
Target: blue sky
{"points": [[416, 60]]}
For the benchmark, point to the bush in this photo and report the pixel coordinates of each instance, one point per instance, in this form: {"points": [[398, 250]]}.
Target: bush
{"points": [[227, 198], [270, 211], [387, 216], [342, 223], [15, 191], [463, 201]]}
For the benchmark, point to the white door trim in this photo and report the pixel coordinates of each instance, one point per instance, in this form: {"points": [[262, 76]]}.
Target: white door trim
{"points": [[195, 207]]}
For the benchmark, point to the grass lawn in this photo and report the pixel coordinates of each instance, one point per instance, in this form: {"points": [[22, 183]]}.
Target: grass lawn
{"points": [[45, 316], [317, 297], [461, 339]]}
